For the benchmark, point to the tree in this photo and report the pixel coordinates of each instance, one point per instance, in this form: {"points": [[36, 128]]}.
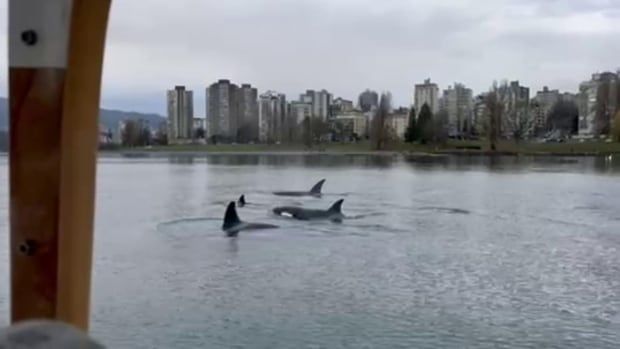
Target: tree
{"points": [[320, 129], [307, 132], [411, 132], [131, 134], [563, 116], [244, 134], [161, 137], [494, 110], [199, 133], [425, 124], [518, 121], [439, 129], [313, 130], [144, 137], [337, 131], [379, 127], [616, 128], [291, 131], [467, 127], [602, 116]]}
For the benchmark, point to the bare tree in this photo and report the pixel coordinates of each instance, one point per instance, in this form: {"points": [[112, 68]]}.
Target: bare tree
{"points": [[494, 111], [379, 130], [517, 119], [507, 114], [314, 129]]}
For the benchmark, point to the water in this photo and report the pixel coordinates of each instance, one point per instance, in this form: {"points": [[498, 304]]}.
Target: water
{"points": [[444, 253]]}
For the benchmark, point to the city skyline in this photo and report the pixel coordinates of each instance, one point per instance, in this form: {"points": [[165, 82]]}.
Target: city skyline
{"points": [[382, 46], [587, 113]]}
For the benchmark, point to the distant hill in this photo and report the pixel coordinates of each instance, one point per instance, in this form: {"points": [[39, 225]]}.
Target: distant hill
{"points": [[108, 117]]}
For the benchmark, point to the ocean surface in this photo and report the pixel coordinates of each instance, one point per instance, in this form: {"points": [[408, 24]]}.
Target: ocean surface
{"points": [[450, 252]]}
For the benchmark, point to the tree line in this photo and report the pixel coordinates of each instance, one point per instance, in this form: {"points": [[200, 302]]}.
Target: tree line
{"points": [[427, 127]]}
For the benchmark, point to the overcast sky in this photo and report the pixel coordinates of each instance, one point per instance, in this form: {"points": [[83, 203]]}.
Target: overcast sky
{"points": [[346, 46]]}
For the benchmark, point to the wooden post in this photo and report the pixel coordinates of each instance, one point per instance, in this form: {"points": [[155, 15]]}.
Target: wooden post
{"points": [[55, 60]]}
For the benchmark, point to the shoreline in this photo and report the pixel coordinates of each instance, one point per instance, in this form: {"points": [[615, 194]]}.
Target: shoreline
{"points": [[453, 148], [384, 153]]}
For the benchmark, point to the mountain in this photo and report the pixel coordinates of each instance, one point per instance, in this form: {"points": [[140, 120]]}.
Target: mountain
{"points": [[110, 118], [107, 117]]}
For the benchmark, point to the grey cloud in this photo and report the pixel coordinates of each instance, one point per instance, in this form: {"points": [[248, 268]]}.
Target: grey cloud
{"points": [[346, 46], [565, 7]]}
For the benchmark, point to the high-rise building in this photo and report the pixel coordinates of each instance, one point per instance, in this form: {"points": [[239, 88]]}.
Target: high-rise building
{"points": [[272, 115], [426, 93], [248, 121], [222, 110], [320, 101], [542, 104], [368, 100], [180, 114], [459, 104], [298, 111], [598, 100]]}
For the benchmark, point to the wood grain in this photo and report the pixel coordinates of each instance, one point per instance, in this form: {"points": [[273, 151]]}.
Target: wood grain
{"points": [[34, 177], [53, 154], [79, 142]]}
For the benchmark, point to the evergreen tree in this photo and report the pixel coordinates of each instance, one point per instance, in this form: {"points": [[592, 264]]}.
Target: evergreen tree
{"points": [[411, 134], [425, 124]]}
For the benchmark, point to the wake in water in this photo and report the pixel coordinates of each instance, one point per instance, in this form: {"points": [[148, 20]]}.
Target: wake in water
{"points": [[362, 216], [337, 194], [449, 210], [188, 219]]}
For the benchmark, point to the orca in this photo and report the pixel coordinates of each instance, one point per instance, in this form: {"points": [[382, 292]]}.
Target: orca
{"points": [[334, 213], [241, 201], [314, 191], [233, 225]]}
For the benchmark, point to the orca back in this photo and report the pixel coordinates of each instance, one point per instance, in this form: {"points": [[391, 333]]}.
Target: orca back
{"points": [[242, 200], [316, 189], [336, 207], [230, 218]]}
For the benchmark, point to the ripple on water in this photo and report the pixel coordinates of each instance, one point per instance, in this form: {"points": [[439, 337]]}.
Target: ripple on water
{"points": [[513, 273]]}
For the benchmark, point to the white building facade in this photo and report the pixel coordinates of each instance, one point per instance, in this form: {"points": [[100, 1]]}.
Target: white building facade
{"points": [[180, 114], [426, 93]]}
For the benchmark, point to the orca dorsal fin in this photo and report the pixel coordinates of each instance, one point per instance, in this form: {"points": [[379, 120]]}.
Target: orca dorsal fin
{"points": [[230, 218], [316, 189], [336, 207], [242, 200]]}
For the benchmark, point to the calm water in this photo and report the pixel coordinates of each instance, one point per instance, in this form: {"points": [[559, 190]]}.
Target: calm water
{"points": [[450, 253]]}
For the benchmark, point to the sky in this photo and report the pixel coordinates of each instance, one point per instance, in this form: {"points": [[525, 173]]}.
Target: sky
{"points": [[346, 46]]}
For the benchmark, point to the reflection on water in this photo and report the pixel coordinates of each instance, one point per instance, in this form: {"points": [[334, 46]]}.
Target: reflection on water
{"points": [[312, 160], [437, 252], [600, 164]]}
